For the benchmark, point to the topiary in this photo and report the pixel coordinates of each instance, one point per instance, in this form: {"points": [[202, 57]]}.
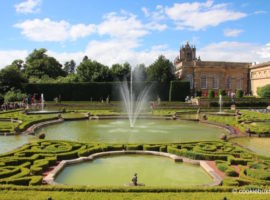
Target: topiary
{"points": [[211, 94]]}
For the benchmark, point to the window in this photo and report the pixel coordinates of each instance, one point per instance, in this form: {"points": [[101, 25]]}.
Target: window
{"points": [[229, 82], [215, 82], [190, 79], [203, 82], [239, 83]]}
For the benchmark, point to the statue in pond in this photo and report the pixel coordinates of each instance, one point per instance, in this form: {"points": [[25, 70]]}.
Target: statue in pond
{"points": [[134, 179]]}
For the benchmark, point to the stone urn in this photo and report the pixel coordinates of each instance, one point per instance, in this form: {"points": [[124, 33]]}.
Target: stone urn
{"points": [[41, 136], [204, 117], [223, 137]]}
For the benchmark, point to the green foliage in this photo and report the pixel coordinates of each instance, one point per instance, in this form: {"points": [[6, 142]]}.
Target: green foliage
{"points": [[221, 92], [161, 70], [231, 172], [94, 90], [211, 94], [223, 166], [264, 91], [179, 90], [14, 95], [239, 93], [38, 64], [93, 71], [230, 182], [199, 93], [25, 165], [69, 67], [11, 77], [121, 72]]}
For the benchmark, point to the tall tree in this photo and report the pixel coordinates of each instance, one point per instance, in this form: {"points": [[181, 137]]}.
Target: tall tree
{"points": [[121, 72], [69, 67], [11, 77], [161, 70], [93, 71], [38, 64]]}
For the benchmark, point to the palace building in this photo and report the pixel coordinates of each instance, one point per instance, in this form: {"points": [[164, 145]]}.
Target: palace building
{"points": [[215, 75]]}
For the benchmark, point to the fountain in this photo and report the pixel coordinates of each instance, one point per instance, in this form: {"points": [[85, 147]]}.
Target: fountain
{"points": [[220, 103], [42, 102], [132, 107], [42, 111]]}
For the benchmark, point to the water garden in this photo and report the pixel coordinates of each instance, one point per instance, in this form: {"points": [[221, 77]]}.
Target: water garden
{"points": [[98, 146]]}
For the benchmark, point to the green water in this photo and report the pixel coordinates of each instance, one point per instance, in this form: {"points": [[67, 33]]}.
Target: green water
{"points": [[260, 146], [119, 170], [9, 143], [118, 131]]}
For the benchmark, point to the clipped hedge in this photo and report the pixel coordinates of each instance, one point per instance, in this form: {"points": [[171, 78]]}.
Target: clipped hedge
{"points": [[24, 166], [179, 90], [94, 90]]}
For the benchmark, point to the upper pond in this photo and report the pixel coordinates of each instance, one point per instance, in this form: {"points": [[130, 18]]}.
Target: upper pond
{"points": [[118, 131], [258, 145], [119, 170]]}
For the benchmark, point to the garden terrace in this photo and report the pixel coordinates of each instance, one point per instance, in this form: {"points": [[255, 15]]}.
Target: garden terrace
{"points": [[26, 165]]}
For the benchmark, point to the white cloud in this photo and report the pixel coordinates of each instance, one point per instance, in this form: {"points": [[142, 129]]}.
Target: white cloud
{"points": [[200, 15], [8, 56], [81, 30], [235, 52], [122, 26], [28, 6], [55, 31], [232, 32], [145, 11], [257, 12]]}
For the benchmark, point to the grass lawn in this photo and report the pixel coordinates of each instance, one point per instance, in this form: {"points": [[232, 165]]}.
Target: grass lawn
{"points": [[33, 195]]}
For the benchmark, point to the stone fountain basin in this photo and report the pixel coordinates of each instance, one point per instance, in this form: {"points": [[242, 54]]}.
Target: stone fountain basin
{"points": [[116, 168], [39, 112]]}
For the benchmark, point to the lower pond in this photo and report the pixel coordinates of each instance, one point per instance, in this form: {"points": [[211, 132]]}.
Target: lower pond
{"points": [[119, 170]]}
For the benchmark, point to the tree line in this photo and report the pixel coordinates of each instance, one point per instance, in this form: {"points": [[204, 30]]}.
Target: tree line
{"points": [[42, 68]]}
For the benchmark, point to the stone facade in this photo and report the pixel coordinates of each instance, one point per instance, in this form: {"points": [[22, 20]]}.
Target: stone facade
{"points": [[211, 75], [259, 76]]}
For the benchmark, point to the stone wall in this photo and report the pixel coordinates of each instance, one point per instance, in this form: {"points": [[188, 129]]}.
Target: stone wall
{"points": [[259, 76]]}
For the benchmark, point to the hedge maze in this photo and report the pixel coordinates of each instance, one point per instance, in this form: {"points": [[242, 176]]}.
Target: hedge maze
{"points": [[26, 165]]}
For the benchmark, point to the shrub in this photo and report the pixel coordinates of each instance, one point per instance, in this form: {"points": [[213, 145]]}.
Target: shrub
{"points": [[14, 95], [231, 172], [239, 93], [134, 147], [199, 93], [211, 94], [151, 147], [264, 91], [230, 182], [258, 174], [221, 92], [223, 166]]}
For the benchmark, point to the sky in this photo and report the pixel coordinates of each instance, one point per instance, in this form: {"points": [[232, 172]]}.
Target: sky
{"points": [[119, 31]]}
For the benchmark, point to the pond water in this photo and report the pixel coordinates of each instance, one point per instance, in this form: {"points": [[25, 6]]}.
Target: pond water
{"points": [[260, 146], [9, 143], [118, 131], [119, 170]]}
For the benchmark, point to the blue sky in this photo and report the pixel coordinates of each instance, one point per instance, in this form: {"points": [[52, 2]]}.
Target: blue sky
{"points": [[135, 31]]}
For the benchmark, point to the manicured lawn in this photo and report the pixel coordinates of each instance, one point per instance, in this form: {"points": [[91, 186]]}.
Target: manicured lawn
{"points": [[55, 195]]}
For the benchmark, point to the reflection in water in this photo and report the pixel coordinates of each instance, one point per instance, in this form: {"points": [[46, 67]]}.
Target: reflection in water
{"points": [[119, 131]]}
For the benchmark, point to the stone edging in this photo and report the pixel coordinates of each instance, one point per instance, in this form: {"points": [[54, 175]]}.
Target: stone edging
{"points": [[50, 177], [31, 129]]}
